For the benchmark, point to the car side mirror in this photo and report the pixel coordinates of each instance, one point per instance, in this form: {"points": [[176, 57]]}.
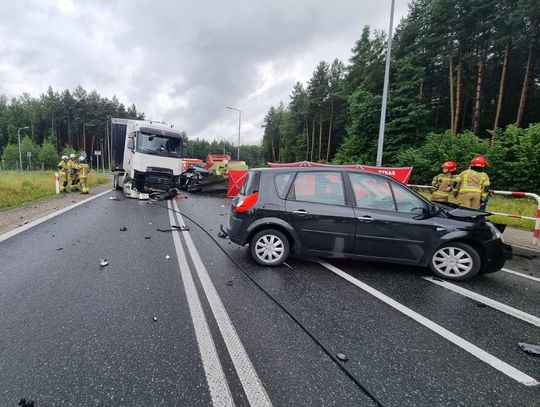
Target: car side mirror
{"points": [[131, 144], [423, 212]]}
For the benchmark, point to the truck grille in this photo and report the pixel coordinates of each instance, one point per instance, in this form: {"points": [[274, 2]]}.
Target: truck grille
{"points": [[161, 182]]}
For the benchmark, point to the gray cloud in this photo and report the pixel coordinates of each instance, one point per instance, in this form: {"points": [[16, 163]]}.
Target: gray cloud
{"points": [[181, 61]]}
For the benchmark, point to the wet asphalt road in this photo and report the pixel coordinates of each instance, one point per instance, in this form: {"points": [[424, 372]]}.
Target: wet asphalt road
{"points": [[73, 333]]}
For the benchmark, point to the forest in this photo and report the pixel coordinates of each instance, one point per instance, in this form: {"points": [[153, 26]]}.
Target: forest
{"points": [[464, 80], [464, 77]]}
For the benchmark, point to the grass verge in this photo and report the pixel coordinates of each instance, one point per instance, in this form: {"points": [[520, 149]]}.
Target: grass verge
{"points": [[19, 188]]}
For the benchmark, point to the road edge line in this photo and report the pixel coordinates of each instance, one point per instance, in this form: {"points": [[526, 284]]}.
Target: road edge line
{"points": [[515, 273], [45, 218]]}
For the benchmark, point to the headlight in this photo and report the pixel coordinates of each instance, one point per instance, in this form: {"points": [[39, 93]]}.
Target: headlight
{"points": [[496, 232]]}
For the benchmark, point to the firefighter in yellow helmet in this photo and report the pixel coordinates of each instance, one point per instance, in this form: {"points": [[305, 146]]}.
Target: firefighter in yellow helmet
{"points": [[443, 182], [83, 174], [63, 171], [73, 166], [472, 185]]}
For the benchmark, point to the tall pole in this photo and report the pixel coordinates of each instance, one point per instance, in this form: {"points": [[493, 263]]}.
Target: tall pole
{"points": [[19, 139], [239, 124], [385, 90]]}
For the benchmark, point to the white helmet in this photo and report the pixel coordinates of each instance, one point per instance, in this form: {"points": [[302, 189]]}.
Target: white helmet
{"points": [[64, 157], [72, 155], [82, 159]]}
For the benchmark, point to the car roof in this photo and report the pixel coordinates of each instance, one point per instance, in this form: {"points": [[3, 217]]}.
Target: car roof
{"points": [[315, 169]]}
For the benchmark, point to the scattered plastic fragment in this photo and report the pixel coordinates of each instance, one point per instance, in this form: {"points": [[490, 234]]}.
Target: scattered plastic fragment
{"points": [[222, 232], [167, 257], [60, 248], [223, 206], [229, 283], [103, 262], [25, 222], [26, 403], [123, 229], [181, 228], [148, 237], [113, 198], [341, 356], [529, 348], [154, 319]]}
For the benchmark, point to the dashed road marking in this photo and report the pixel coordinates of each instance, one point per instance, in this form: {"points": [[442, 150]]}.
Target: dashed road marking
{"points": [[531, 319], [474, 350], [515, 273]]}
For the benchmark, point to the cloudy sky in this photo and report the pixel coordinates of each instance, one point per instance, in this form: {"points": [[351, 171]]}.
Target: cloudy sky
{"points": [[182, 61]]}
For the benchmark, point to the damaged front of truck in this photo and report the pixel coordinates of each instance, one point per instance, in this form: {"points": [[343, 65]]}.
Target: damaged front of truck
{"points": [[152, 159]]}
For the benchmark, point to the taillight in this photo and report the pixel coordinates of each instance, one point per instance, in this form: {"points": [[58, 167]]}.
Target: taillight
{"points": [[245, 203]]}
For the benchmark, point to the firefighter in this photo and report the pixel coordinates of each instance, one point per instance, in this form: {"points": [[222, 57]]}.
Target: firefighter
{"points": [[63, 173], [443, 182], [73, 169], [472, 185], [83, 174]]}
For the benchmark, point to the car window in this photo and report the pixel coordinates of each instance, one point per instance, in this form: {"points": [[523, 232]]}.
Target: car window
{"points": [[372, 192], [251, 184], [319, 187], [406, 201], [281, 181]]}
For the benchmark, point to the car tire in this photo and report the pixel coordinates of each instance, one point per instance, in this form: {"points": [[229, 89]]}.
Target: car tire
{"points": [[455, 261], [269, 247]]}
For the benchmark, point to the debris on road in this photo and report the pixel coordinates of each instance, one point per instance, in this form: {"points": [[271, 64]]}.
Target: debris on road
{"points": [[181, 228], [60, 248], [287, 265], [148, 237], [123, 229], [26, 403], [221, 232], [342, 357], [113, 198], [154, 319], [167, 257], [103, 262], [230, 282], [529, 348]]}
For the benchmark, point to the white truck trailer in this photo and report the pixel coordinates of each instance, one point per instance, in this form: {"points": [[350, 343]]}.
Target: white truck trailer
{"points": [[146, 156]]}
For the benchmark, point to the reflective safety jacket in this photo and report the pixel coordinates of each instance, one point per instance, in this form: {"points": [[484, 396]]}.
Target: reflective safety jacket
{"points": [[73, 167], [63, 166], [83, 170], [472, 181], [443, 184]]}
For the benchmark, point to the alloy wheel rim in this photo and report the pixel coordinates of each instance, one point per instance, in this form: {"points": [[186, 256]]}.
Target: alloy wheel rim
{"points": [[452, 261], [269, 248]]}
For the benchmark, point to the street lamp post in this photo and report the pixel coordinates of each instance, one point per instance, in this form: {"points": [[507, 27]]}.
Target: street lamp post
{"points": [[239, 123], [19, 138]]}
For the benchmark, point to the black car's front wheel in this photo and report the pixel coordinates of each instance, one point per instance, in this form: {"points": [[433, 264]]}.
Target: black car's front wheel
{"points": [[455, 261], [269, 247]]}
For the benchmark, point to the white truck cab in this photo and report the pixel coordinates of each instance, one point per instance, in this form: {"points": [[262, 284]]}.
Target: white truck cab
{"points": [[146, 156]]}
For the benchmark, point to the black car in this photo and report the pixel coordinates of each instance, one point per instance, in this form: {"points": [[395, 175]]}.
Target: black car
{"points": [[344, 213]]}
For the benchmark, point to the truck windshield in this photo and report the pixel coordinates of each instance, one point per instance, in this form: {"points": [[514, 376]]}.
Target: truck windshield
{"points": [[159, 145]]}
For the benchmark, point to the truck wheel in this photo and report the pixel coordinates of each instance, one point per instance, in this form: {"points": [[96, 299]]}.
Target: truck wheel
{"points": [[115, 182], [269, 247], [455, 261]]}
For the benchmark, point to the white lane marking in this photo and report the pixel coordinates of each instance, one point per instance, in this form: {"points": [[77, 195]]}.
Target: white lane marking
{"points": [[531, 319], [36, 222], [521, 275], [215, 377], [498, 364], [255, 392]]}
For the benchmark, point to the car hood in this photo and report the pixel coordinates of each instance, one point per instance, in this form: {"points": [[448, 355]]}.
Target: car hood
{"points": [[455, 211]]}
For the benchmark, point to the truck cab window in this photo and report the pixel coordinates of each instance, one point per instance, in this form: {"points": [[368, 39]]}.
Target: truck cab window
{"points": [[157, 144]]}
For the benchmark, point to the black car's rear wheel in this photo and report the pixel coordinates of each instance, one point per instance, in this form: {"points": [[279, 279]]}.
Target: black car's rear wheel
{"points": [[455, 261], [269, 247]]}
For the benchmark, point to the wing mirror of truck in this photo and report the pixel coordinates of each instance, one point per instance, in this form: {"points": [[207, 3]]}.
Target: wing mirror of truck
{"points": [[131, 144]]}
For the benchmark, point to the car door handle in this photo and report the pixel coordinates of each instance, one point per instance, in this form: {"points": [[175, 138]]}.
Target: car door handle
{"points": [[366, 218], [301, 212]]}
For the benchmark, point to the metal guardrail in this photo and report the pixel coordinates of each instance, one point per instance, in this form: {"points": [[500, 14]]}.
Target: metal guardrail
{"points": [[536, 232]]}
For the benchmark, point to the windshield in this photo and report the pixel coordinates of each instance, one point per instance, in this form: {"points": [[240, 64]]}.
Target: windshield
{"points": [[157, 144]]}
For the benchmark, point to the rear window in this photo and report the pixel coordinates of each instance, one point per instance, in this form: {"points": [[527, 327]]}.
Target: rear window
{"points": [[251, 184], [281, 181]]}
